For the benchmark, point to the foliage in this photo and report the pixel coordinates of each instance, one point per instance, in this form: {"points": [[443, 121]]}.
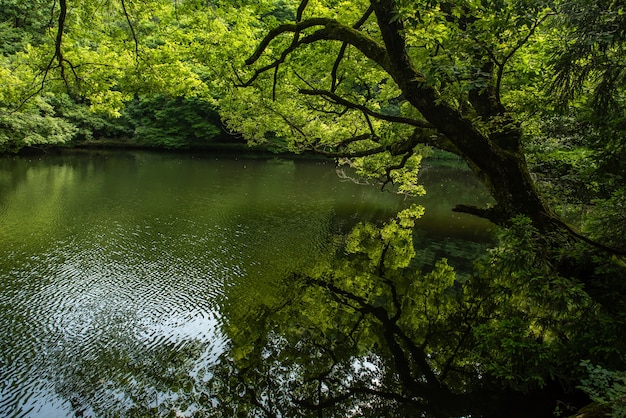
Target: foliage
{"points": [[368, 333], [22, 23], [536, 331], [373, 84], [591, 54], [36, 125], [173, 122], [608, 222], [393, 242], [559, 153], [110, 53], [89, 124], [607, 387], [588, 63]]}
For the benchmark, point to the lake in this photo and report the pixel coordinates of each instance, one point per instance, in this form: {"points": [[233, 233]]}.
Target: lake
{"points": [[115, 267]]}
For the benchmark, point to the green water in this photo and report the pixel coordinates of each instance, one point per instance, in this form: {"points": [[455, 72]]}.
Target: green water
{"points": [[114, 267]]}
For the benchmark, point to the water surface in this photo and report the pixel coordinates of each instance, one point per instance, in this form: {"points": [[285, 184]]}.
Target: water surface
{"points": [[114, 266]]}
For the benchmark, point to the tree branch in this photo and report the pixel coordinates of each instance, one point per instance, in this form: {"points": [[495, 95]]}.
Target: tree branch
{"points": [[344, 46], [132, 28], [398, 166], [335, 69], [492, 214], [58, 52], [516, 48], [294, 28], [336, 99], [331, 30], [285, 28], [301, 8], [391, 331]]}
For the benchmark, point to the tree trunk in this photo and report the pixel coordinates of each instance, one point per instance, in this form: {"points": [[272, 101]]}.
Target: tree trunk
{"points": [[506, 175], [496, 157], [493, 150]]}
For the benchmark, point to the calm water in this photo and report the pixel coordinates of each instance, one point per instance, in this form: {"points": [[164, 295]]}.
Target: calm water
{"points": [[114, 266]]}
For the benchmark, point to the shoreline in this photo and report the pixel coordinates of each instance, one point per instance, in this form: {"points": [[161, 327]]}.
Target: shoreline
{"points": [[221, 148]]}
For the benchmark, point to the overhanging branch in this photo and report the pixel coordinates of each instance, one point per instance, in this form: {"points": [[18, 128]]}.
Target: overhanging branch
{"points": [[330, 30], [132, 28], [398, 166], [352, 154], [335, 98], [516, 48], [56, 56], [285, 28], [344, 47], [492, 214]]}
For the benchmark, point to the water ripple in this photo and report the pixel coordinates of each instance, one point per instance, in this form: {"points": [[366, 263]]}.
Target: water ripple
{"points": [[97, 305], [116, 272]]}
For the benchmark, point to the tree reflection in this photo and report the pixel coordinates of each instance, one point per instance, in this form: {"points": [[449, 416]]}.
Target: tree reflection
{"points": [[365, 333], [368, 335]]}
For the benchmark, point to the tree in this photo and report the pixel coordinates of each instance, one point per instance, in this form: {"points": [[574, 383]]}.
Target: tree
{"points": [[85, 61], [368, 333], [372, 82], [392, 54], [590, 78], [377, 79], [22, 23], [173, 122]]}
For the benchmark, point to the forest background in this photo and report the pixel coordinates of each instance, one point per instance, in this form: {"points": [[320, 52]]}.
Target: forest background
{"points": [[530, 94]]}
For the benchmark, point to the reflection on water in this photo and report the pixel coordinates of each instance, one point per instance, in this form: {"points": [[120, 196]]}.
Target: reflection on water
{"points": [[116, 269]]}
